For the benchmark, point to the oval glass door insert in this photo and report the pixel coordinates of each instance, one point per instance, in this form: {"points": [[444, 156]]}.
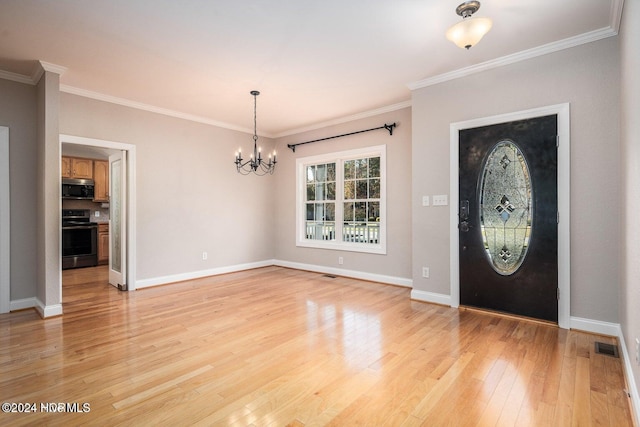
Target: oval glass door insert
{"points": [[506, 207]]}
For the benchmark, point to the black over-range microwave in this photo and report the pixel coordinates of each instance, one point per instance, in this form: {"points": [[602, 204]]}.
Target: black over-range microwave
{"points": [[73, 188]]}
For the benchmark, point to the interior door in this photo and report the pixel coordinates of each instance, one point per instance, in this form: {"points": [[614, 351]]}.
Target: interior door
{"points": [[508, 219], [118, 220]]}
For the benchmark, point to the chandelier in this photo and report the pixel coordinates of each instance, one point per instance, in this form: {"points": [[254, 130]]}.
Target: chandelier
{"points": [[256, 163], [468, 33]]}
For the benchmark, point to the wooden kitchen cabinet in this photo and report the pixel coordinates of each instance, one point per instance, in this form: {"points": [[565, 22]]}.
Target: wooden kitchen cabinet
{"points": [[73, 167], [103, 243], [101, 180], [65, 165]]}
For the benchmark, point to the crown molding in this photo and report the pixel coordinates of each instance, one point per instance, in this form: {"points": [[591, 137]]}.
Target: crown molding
{"points": [[153, 109], [43, 66], [199, 119], [595, 35], [363, 115], [615, 14], [14, 77]]}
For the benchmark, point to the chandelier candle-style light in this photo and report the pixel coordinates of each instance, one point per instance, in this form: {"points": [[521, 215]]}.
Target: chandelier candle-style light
{"points": [[470, 31], [256, 163]]}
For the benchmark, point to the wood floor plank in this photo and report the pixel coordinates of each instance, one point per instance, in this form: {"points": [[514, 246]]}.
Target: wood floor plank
{"points": [[283, 347], [581, 415]]}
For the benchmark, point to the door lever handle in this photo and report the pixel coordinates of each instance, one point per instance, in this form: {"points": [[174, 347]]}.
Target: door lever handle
{"points": [[464, 210]]}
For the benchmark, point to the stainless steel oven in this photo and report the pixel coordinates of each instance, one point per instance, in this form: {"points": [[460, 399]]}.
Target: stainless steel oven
{"points": [[79, 239]]}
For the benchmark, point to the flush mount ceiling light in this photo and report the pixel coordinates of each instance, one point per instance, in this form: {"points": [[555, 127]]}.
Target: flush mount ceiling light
{"points": [[470, 31], [256, 163]]}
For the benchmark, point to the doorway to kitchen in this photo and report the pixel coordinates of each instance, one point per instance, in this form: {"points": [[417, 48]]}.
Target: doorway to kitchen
{"points": [[122, 213]]}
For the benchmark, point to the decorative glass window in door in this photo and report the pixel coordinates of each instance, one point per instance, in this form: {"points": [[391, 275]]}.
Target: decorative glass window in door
{"points": [[506, 207]]}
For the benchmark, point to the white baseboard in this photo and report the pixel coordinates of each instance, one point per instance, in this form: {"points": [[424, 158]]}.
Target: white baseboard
{"points": [[156, 281], [594, 326], [34, 302], [631, 382], [48, 310], [391, 280], [432, 297], [21, 304]]}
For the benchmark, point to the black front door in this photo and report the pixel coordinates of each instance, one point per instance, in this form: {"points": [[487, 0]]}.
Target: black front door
{"points": [[508, 223]]}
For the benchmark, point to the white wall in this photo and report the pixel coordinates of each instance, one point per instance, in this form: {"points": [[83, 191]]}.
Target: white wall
{"points": [[397, 262], [630, 200], [586, 77], [190, 197]]}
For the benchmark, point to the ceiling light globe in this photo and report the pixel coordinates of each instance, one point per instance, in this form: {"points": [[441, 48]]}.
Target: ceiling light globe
{"points": [[469, 32]]}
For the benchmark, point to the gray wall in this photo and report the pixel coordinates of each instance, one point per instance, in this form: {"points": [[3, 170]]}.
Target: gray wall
{"points": [[630, 137], [588, 78], [397, 262], [18, 108], [190, 199]]}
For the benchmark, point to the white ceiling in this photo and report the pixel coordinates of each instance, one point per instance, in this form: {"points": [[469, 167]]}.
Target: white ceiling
{"points": [[315, 62]]}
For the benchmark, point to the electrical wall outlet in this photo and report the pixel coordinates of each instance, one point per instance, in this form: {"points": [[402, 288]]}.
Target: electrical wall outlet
{"points": [[425, 272], [204, 256], [97, 214], [340, 260], [425, 200]]}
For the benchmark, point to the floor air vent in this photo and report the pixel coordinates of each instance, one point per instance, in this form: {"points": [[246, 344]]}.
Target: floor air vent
{"points": [[606, 349]]}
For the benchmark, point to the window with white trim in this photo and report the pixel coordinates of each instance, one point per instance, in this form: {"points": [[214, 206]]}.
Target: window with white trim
{"points": [[341, 200]]}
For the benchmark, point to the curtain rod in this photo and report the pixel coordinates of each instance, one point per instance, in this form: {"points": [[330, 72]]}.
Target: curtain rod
{"points": [[386, 126]]}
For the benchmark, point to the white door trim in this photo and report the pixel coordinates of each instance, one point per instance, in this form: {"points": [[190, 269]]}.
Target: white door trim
{"points": [[564, 197], [5, 223], [131, 201]]}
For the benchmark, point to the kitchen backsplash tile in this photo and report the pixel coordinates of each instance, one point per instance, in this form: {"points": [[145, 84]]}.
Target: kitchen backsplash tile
{"points": [[87, 204]]}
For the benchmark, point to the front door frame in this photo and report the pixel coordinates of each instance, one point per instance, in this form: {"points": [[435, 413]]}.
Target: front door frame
{"points": [[564, 198], [131, 196]]}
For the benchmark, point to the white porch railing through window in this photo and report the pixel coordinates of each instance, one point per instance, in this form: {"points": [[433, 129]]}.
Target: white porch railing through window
{"points": [[356, 232]]}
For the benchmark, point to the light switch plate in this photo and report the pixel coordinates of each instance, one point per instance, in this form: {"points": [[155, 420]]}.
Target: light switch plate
{"points": [[440, 200], [425, 200]]}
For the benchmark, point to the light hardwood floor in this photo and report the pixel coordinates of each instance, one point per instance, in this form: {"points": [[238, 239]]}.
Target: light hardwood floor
{"points": [[278, 347]]}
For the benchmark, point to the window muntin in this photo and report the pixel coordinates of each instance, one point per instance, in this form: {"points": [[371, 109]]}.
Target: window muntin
{"points": [[341, 201]]}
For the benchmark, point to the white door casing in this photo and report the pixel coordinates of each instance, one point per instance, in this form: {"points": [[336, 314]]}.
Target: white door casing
{"points": [[130, 239]]}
